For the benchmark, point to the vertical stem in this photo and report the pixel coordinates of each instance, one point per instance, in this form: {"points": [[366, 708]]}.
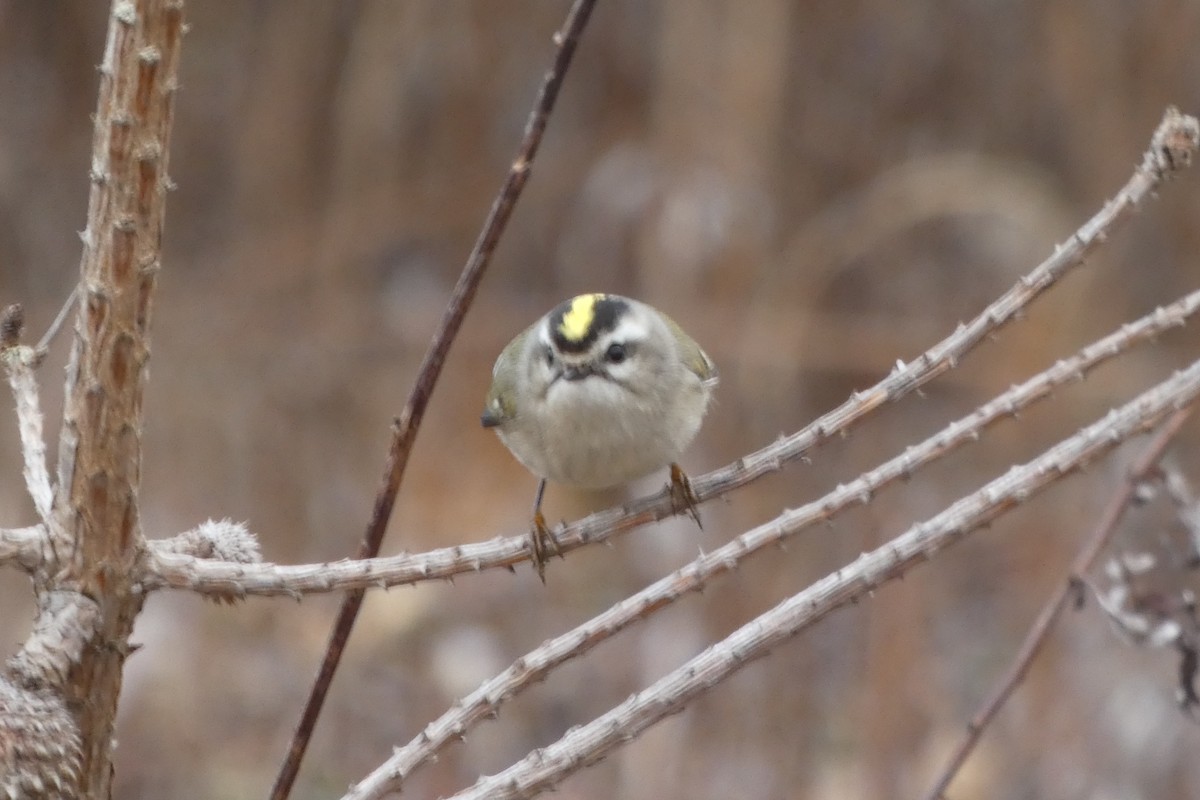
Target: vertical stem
{"points": [[96, 524]]}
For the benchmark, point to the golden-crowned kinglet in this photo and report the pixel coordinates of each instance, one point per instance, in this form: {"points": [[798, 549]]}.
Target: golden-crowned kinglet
{"points": [[601, 390]]}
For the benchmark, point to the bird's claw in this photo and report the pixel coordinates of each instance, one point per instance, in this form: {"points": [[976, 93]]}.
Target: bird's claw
{"points": [[542, 542], [683, 497]]}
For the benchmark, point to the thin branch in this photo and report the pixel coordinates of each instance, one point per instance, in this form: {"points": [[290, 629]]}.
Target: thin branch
{"points": [[19, 362], [24, 546], [484, 702], [404, 431], [43, 344], [1138, 472], [589, 743], [179, 571]]}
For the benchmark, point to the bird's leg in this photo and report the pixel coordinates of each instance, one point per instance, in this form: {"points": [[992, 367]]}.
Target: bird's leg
{"points": [[541, 540], [683, 498]]}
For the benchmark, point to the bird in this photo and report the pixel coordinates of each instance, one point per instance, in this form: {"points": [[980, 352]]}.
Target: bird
{"points": [[599, 391]]}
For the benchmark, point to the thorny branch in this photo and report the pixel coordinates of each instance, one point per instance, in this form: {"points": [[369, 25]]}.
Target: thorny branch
{"points": [[589, 743], [485, 701], [1038, 632], [19, 363], [96, 504]]}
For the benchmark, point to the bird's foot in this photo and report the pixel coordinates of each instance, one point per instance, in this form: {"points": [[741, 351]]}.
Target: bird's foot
{"points": [[683, 497], [542, 542]]}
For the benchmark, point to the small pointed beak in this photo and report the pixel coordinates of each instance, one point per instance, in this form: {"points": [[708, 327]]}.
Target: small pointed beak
{"points": [[577, 373]]}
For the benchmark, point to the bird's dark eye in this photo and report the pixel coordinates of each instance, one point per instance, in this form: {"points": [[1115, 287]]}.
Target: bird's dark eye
{"points": [[615, 353], [549, 356]]}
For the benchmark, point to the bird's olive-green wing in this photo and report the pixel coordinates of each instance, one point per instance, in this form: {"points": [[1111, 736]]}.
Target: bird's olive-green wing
{"points": [[501, 403], [693, 355]]}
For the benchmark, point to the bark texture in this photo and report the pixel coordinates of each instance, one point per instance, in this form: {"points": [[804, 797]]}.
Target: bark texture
{"points": [[59, 694]]}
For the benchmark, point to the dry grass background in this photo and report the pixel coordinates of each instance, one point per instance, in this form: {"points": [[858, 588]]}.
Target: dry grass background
{"points": [[813, 190]]}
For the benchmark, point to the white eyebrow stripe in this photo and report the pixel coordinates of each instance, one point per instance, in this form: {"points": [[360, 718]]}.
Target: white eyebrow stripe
{"points": [[629, 329]]}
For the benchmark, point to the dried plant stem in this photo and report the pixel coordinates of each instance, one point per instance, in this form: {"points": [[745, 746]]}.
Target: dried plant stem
{"points": [[589, 743], [24, 546], [1138, 472], [43, 344], [405, 429], [181, 571], [19, 363]]}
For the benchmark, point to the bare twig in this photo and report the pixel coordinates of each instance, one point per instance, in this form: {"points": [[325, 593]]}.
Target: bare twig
{"points": [[485, 701], [404, 431], [24, 545], [1036, 637], [19, 362], [43, 344], [589, 743], [179, 571]]}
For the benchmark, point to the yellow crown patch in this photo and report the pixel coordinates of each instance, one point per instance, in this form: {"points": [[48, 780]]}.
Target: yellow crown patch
{"points": [[578, 320]]}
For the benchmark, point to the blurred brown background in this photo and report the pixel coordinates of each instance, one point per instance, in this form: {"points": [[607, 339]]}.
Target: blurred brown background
{"points": [[813, 189]]}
